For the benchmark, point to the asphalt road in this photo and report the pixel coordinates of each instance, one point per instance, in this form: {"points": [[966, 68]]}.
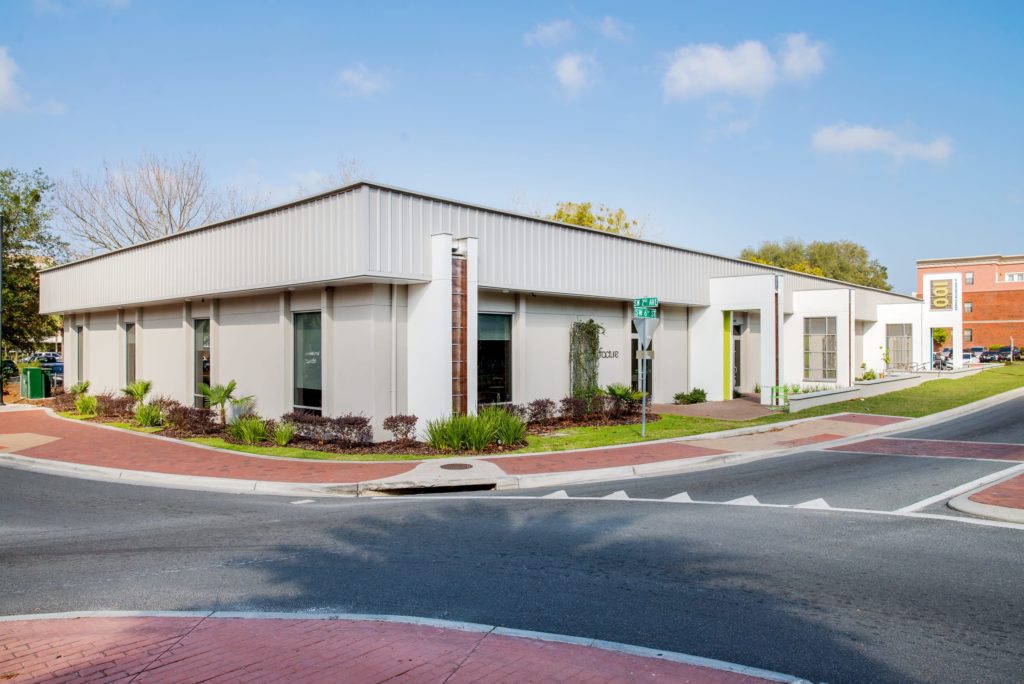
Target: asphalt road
{"points": [[826, 595]]}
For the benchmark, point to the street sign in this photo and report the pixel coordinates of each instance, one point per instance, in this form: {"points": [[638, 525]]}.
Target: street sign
{"points": [[644, 312], [645, 355], [646, 302], [644, 330]]}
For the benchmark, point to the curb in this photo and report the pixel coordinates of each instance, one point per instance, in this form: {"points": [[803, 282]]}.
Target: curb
{"points": [[964, 504], [612, 646]]}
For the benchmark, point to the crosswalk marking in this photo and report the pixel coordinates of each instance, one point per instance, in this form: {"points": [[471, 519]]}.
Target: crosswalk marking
{"points": [[813, 503], [303, 501], [621, 494], [560, 494], [682, 497], [749, 500]]}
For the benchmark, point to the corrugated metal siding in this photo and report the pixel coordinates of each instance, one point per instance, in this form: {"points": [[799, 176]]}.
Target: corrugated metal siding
{"points": [[321, 240]]}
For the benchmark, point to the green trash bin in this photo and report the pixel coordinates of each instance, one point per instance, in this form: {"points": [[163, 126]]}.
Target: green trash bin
{"points": [[47, 382], [33, 383]]}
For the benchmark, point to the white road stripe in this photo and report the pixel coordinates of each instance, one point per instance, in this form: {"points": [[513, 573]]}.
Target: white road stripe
{"points": [[683, 497], [560, 494], [749, 500], [956, 491], [303, 501], [621, 494], [813, 503]]}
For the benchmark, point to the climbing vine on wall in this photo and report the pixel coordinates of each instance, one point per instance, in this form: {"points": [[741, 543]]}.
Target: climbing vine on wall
{"points": [[584, 348]]}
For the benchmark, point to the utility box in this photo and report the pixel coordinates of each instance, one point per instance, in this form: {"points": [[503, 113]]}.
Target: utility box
{"points": [[34, 383]]}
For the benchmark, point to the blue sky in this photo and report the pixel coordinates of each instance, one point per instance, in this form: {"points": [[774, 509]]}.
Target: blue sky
{"points": [[899, 125]]}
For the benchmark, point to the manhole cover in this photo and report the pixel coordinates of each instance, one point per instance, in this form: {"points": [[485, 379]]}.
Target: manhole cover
{"points": [[457, 466]]}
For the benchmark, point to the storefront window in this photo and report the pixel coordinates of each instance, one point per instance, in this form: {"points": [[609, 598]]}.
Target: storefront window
{"points": [[79, 354], [202, 360], [820, 349], [494, 359], [899, 344], [308, 363], [129, 352]]}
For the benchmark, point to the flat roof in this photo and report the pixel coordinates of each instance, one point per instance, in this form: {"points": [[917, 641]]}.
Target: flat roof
{"points": [[998, 258], [438, 198]]}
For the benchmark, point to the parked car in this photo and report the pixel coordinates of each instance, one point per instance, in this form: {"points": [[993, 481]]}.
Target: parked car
{"points": [[968, 357], [976, 351], [9, 369], [988, 356], [57, 374], [1004, 353], [42, 358]]}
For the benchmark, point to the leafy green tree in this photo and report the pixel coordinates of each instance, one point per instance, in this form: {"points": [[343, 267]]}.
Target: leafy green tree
{"points": [[29, 245], [841, 260], [939, 336], [606, 219]]}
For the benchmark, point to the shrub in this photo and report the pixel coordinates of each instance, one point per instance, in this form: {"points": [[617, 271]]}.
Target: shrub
{"points": [[869, 374], [507, 428], [402, 427], [115, 407], [218, 397], [518, 410], [248, 429], [449, 434], [138, 390], [625, 400], [540, 411], [63, 401], [310, 426], [244, 406], [166, 403], [694, 396], [574, 408], [351, 429], [148, 415], [79, 388], [283, 433], [86, 404], [191, 419]]}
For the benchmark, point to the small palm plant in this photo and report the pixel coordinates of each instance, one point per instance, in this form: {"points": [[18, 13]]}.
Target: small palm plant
{"points": [[219, 396], [138, 391]]}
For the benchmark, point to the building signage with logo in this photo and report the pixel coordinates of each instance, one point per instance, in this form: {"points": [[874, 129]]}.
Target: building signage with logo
{"points": [[941, 295]]}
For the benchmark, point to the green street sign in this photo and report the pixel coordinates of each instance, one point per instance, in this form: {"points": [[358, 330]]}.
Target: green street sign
{"points": [[644, 312], [646, 302]]}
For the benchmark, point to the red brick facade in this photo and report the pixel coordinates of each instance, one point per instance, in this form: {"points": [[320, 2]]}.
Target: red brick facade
{"points": [[993, 299]]}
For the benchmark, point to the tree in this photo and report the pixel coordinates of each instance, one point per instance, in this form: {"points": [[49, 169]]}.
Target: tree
{"points": [[29, 244], [153, 197], [219, 396], [610, 221], [939, 336], [840, 260]]}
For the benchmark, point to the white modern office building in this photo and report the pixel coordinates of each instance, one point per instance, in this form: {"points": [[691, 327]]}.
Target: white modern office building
{"points": [[376, 300]]}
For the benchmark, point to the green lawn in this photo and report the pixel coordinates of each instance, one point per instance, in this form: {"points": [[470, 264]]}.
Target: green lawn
{"points": [[294, 452], [930, 397], [927, 398]]}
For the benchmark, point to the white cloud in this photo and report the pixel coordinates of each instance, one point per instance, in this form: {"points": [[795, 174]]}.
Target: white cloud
{"points": [[844, 138], [748, 69], [12, 99], [698, 70], [551, 33], [801, 59], [613, 29], [573, 72], [359, 80]]}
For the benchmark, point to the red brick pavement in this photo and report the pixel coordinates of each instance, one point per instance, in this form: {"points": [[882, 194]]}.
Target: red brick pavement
{"points": [[940, 448], [560, 462], [181, 650], [1008, 493], [122, 449]]}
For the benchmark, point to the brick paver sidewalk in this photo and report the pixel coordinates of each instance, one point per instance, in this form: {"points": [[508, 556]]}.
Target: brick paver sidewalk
{"points": [[202, 648], [1008, 494]]}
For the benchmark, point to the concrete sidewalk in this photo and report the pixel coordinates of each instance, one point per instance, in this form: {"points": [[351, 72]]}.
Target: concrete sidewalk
{"points": [[200, 647]]}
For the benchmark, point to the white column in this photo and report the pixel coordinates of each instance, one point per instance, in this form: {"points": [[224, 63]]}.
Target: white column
{"points": [[520, 376], [284, 315], [121, 351], [430, 336], [327, 351], [215, 378], [189, 333]]}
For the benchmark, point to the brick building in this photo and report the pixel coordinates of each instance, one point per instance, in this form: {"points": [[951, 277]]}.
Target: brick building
{"points": [[993, 296]]}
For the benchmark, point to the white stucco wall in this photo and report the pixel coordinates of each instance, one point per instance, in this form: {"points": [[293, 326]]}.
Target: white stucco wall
{"points": [[813, 304]]}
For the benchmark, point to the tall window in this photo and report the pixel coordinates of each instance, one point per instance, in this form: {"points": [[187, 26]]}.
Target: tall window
{"points": [[202, 357], [129, 352], [969, 277], [79, 354], [494, 359], [308, 363], [900, 344], [1014, 277], [820, 348], [968, 307], [968, 335]]}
